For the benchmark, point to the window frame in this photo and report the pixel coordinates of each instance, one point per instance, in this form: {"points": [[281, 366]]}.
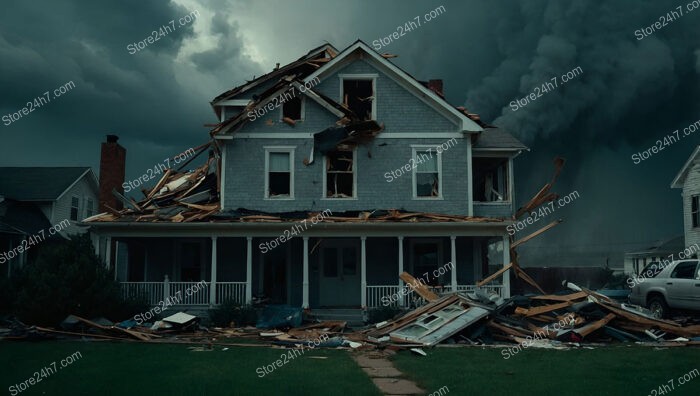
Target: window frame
{"points": [[360, 76], [89, 207], [675, 269], [354, 177], [510, 185], [695, 211], [302, 112], [77, 208], [266, 188], [414, 150]]}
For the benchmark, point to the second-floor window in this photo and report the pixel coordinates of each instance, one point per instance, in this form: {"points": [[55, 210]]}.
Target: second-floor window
{"points": [[695, 210], [427, 173], [358, 94], [89, 207], [279, 176], [490, 181], [74, 208], [340, 174]]}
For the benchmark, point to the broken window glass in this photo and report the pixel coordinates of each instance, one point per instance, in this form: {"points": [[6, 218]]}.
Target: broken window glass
{"points": [[427, 174], [339, 174], [279, 176], [292, 109], [490, 181], [358, 96]]}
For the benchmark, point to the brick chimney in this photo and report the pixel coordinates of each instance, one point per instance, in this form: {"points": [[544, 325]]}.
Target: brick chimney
{"points": [[112, 171], [436, 86]]}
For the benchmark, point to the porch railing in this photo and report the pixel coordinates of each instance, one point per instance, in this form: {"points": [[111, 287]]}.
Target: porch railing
{"points": [[380, 296], [151, 291], [189, 293], [230, 291], [184, 293], [388, 295]]}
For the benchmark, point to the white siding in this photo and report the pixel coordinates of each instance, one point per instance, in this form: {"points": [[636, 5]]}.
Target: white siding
{"points": [[690, 188], [83, 189]]}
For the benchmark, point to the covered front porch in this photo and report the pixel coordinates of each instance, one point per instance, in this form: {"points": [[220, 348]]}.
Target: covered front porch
{"points": [[327, 266]]}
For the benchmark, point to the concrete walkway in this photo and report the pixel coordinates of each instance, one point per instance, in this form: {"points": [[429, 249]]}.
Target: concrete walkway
{"points": [[384, 375]]}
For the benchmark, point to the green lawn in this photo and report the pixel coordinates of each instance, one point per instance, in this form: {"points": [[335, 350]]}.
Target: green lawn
{"points": [[145, 369], [624, 370]]}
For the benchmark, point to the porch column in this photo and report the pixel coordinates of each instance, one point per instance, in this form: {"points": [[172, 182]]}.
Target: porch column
{"points": [[363, 272], [454, 263], [305, 282], [506, 261], [249, 272], [212, 285], [108, 252], [401, 298]]}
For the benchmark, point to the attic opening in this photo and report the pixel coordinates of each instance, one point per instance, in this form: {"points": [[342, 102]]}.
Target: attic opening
{"points": [[490, 181], [340, 174], [292, 109], [358, 96]]}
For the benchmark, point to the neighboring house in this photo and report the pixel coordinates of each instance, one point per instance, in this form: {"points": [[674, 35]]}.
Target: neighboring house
{"points": [[303, 138], [33, 200], [667, 249], [688, 179]]}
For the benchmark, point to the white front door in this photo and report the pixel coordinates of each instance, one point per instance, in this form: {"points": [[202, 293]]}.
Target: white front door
{"points": [[339, 274]]}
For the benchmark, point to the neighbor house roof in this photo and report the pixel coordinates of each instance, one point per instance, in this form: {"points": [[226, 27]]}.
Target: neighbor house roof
{"points": [[662, 247], [21, 218], [39, 183], [680, 178]]}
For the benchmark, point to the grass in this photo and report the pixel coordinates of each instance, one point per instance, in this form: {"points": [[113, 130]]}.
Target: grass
{"points": [[624, 370], [108, 368]]}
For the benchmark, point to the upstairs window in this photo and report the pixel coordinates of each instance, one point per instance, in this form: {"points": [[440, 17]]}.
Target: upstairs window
{"points": [[279, 176], [695, 210], [490, 181], [74, 208], [427, 169], [340, 174], [89, 207], [358, 94], [292, 109]]}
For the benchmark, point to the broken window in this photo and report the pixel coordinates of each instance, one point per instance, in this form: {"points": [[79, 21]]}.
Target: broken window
{"points": [[695, 210], [427, 172], [292, 109], [279, 177], [74, 208], [340, 174], [358, 96], [490, 181]]}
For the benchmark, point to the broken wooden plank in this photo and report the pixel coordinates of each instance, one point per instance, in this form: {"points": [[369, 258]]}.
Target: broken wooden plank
{"points": [[542, 309], [494, 275], [536, 233], [418, 287], [566, 297]]}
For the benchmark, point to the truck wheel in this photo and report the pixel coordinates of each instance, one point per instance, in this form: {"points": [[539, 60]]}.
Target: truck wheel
{"points": [[657, 306]]}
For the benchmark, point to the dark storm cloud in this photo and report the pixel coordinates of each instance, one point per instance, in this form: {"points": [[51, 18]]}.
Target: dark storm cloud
{"points": [[139, 96]]}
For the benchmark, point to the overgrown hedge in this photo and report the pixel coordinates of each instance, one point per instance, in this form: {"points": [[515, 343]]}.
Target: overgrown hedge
{"points": [[67, 278]]}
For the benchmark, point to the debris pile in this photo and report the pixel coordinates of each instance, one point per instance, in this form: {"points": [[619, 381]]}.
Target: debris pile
{"points": [[177, 197]]}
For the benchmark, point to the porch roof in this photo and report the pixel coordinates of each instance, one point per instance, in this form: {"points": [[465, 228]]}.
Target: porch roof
{"points": [[304, 228]]}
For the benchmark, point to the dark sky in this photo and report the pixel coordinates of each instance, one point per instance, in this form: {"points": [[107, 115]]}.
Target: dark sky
{"points": [[631, 92]]}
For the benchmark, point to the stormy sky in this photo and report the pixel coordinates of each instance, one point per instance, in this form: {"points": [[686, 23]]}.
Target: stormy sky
{"points": [[631, 92]]}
